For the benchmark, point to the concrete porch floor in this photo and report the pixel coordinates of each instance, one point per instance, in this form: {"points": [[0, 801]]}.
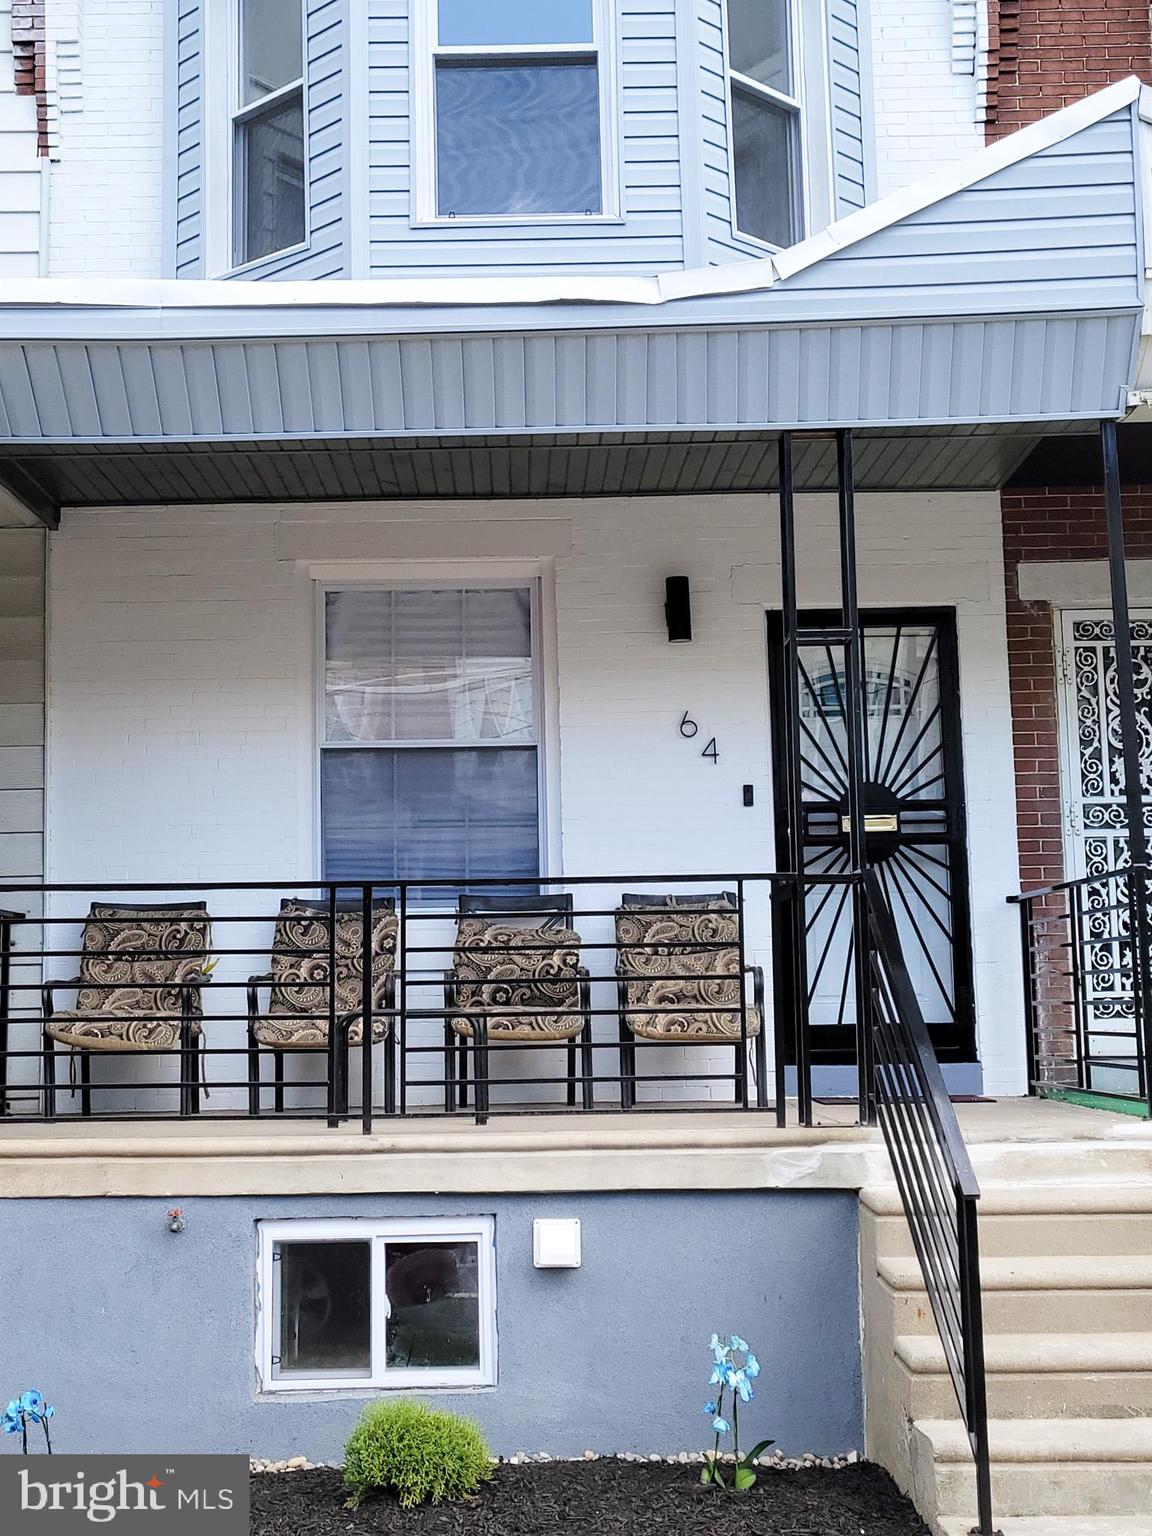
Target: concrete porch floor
{"points": [[566, 1151]]}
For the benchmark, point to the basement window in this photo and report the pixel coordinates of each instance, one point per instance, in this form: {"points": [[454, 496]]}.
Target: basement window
{"points": [[377, 1304]]}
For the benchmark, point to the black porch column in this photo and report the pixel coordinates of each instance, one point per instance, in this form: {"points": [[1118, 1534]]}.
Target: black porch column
{"points": [[1122, 640], [844, 635]]}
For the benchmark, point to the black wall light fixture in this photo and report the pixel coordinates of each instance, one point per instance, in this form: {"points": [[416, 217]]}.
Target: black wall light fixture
{"points": [[678, 609]]}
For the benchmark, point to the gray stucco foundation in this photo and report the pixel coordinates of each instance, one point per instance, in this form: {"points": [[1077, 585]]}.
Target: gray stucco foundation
{"points": [[144, 1340]]}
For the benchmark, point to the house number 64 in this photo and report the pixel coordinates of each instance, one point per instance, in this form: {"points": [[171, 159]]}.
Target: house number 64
{"points": [[689, 728]]}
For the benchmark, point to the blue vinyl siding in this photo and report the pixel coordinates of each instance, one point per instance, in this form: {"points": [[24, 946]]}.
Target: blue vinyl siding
{"points": [[648, 237], [1057, 230], [326, 147], [849, 91], [188, 150]]}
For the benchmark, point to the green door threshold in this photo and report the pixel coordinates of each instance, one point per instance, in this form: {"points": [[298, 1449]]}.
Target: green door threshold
{"points": [[1089, 1100]]}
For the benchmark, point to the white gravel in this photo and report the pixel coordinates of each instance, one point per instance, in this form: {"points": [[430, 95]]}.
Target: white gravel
{"points": [[521, 1458]]}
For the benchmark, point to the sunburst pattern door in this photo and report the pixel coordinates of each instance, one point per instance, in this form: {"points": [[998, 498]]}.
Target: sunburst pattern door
{"points": [[914, 810]]}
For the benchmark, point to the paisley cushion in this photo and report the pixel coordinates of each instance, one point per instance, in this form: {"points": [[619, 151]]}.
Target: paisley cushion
{"points": [[298, 1009], [524, 980], [686, 964], [131, 956]]}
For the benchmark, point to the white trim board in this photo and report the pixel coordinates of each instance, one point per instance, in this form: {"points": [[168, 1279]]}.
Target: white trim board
{"points": [[1081, 583]]}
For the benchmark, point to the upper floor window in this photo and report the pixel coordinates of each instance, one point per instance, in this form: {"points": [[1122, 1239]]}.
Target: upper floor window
{"points": [[515, 119], [764, 90], [268, 130]]}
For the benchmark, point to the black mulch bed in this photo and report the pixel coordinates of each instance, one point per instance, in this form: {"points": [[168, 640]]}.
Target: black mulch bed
{"points": [[600, 1498]]}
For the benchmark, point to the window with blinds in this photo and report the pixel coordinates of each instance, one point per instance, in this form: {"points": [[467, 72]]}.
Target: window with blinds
{"points": [[429, 763]]}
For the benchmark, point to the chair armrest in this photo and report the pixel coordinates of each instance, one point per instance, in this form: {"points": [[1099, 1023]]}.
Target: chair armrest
{"points": [[254, 985], [757, 974], [49, 987]]}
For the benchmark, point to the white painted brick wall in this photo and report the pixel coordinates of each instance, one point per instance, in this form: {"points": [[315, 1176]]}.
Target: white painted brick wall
{"points": [[180, 679], [107, 181], [926, 114]]}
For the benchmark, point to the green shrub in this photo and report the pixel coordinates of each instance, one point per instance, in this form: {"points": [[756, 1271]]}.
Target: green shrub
{"points": [[426, 1456]]}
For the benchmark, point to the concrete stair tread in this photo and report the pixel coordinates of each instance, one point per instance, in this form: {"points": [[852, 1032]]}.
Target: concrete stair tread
{"points": [[1067, 1272], [1083, 1197], [1036, 1441], [1054, 1525], [1037, 1353]]}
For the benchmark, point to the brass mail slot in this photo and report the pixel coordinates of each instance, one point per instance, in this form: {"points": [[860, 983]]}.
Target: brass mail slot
{"points": [[877, 823]]}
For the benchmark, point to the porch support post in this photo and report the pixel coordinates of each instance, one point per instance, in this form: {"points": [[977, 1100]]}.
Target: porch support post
{"points": [[797, 902], [1122, 641], [1130, 750], [855, 727]]}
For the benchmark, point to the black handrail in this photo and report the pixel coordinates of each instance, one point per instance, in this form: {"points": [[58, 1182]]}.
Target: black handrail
{"points": [[934, 1174], [1086, 952]]}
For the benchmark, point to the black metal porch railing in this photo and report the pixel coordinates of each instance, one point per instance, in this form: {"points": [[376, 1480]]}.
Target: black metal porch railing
{"points": [[937, 1184], [1085, 950], [263, 1017]]}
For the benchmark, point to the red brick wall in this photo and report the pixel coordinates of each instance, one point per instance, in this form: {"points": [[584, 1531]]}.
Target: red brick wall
{"points": [[1056, 524], [1044, 54], [28, 60]]}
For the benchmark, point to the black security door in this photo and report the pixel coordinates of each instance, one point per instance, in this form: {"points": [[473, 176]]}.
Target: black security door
{"points": [[913, 818]]}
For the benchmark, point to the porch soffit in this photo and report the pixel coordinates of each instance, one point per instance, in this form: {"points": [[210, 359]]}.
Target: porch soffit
{"points": [[503, 465]]}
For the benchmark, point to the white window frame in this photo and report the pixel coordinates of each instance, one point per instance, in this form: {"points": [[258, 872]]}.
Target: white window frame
{"points": [[426, 50], [813, 170], [223, 111], [543, 687], [378, 1233]]}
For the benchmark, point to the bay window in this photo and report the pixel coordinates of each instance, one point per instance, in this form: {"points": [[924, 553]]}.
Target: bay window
{"points": [[429, 758], [268, 130], [765, 117], [515, 120]]}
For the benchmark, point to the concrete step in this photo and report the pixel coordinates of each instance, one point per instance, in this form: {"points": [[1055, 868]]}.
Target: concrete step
{"points": [[1038, 1375], [1042, 1467], [1053, 1525], [1068, 1294], [1021, 1233], [1069, 1196]]}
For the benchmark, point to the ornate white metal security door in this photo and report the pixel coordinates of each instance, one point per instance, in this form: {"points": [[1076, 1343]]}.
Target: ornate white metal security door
{"points": [[1094, 818], [1099, 959]]}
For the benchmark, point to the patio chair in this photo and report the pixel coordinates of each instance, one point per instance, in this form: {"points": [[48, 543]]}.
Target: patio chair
{"points": [[141, 975], [678, 978], [298, 1011], [516, 977]]}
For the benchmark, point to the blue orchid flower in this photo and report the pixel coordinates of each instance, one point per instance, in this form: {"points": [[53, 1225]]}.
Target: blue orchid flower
{"points": [[752, 1367], [718, 1347], [742, 1385], [721, 1426], [33, 1404], [13, 1422], [708, 1408], [736, 1342]]}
